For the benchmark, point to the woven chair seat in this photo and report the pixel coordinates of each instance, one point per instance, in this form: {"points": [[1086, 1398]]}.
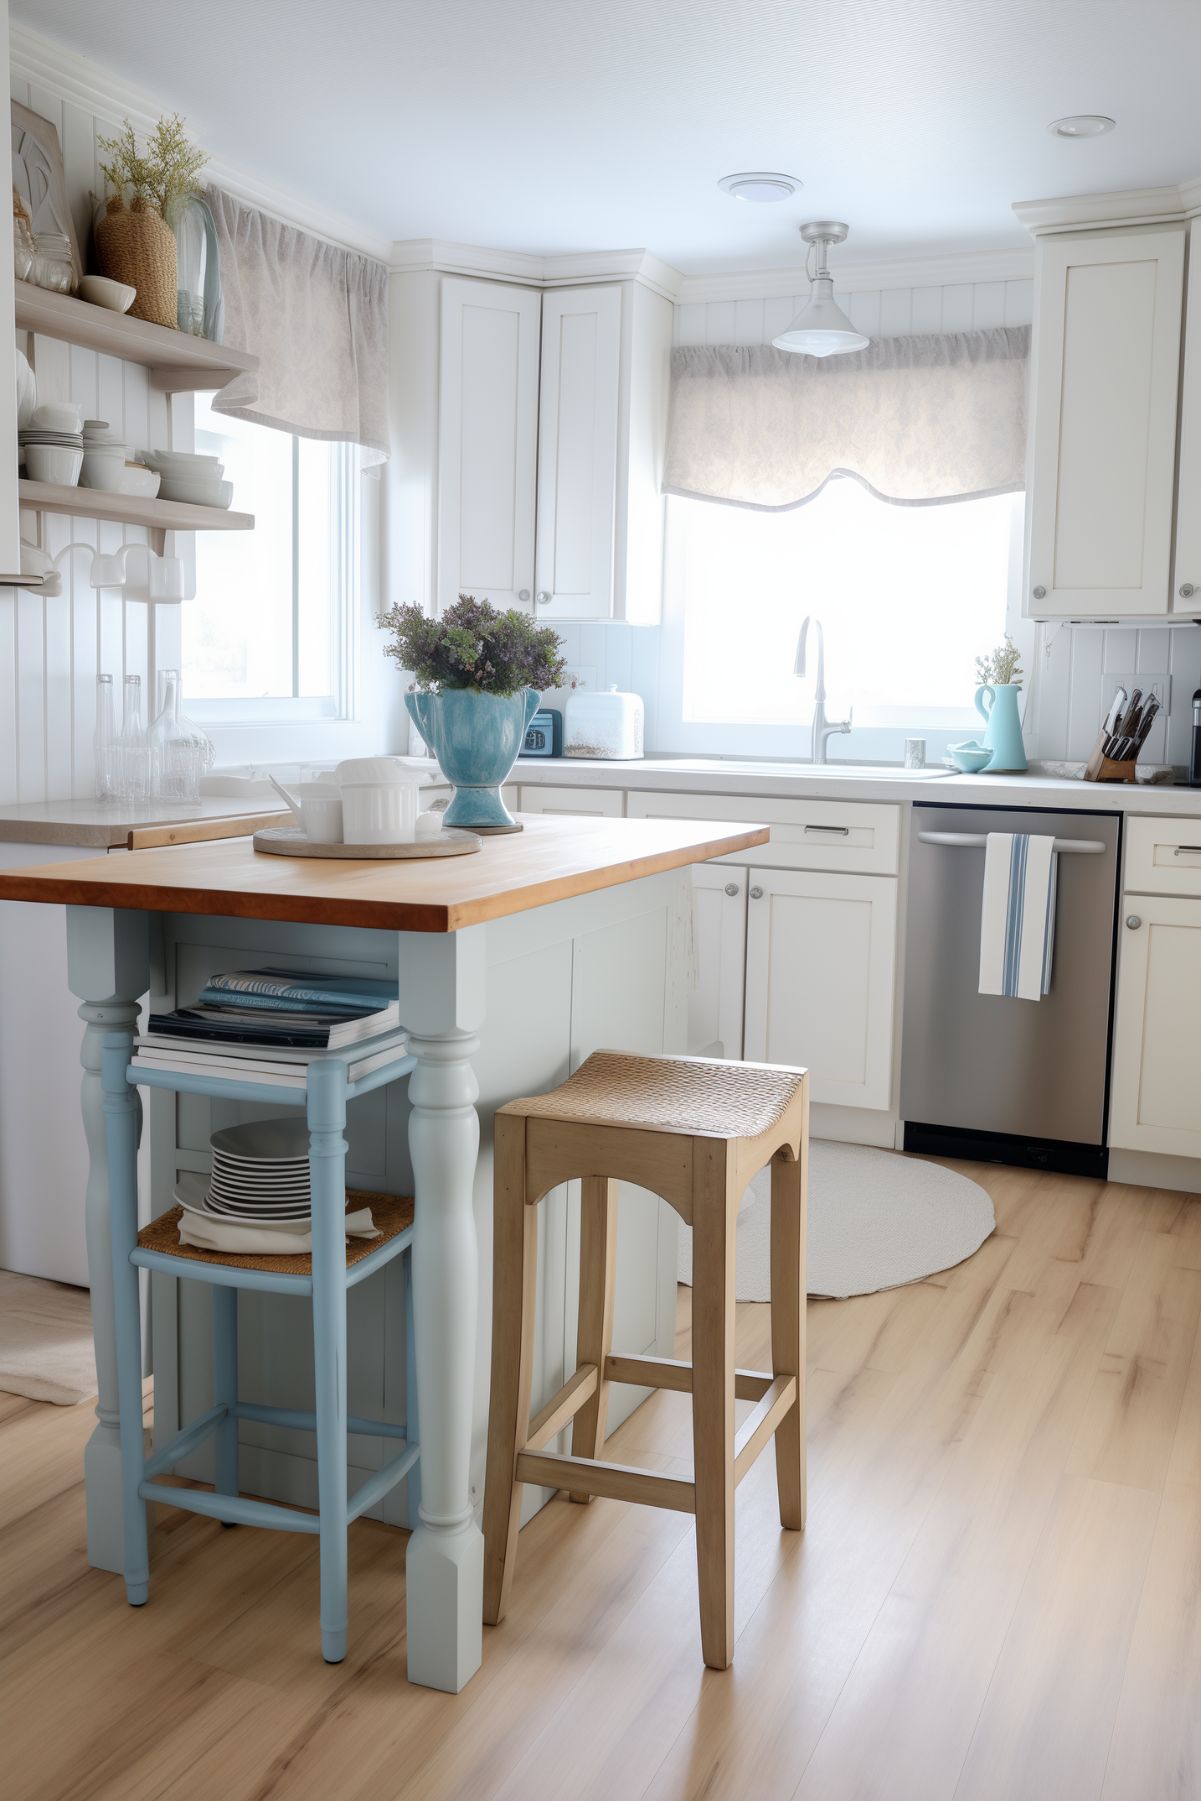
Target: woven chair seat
{"points": [[685, 1095]]}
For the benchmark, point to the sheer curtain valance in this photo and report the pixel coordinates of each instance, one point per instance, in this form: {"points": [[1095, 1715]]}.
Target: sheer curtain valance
{"points": [[916, 420], [316, 316]]}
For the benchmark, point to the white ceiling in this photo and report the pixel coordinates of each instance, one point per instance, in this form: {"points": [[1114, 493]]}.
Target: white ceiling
{"points": [[551, 125]]}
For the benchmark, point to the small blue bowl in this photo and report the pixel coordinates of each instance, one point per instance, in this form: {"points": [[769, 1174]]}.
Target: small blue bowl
{"points": [[969, 759]]}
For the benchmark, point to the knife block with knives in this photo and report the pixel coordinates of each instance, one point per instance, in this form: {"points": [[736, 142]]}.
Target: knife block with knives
{"points": [[1123, 733]]}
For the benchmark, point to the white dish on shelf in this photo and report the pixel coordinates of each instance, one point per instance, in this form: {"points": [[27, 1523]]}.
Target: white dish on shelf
{"points": [[186, 461], [57, 416], [100, 291], [141, 482], [192, 1195], [194, 493], [281, 1140], [53, 463], [232, 1182], [27, 390]]}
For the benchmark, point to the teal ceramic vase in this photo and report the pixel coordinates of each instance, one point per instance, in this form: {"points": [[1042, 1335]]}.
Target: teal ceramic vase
{"points": [[476, 739], [1002, 725]]}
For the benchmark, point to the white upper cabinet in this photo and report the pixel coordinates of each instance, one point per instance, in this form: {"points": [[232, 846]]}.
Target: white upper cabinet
{"points": [[487, 442], [1105, 388], [577, 452], [1186, 569]]}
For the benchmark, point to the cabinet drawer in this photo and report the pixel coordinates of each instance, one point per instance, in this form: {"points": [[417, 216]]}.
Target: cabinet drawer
{"points": [[1163, 856], [605, 803], [862, 837]]}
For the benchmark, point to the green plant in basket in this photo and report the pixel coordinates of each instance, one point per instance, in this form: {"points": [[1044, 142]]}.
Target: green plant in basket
{"points": [[474, 646]]}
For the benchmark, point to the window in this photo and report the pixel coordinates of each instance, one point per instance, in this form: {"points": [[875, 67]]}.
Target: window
{"points": [[267, 636], [908, 598]]}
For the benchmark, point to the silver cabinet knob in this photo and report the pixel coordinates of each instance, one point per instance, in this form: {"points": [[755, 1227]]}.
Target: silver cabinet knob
{"points": [[542, 596], [732, 889], [1133, 921], [523, 594], [1039, 593], [1187, 590], [756, 893]]}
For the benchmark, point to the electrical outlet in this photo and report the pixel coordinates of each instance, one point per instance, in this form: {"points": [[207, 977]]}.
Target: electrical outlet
{"points": [[583, 677]]}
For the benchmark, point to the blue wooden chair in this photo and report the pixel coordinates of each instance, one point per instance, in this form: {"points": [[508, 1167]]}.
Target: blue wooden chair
{"points": [[326, 1285]]}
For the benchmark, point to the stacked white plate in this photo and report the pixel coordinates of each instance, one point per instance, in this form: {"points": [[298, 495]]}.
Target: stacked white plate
{"points": [[260, 1173], [188, 477]]}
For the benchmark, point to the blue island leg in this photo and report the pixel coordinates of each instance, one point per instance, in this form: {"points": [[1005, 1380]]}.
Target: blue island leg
{"points": [[121, 1124], [327, 1166]]}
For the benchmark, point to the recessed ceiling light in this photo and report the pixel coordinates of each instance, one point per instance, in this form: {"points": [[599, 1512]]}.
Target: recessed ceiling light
{"points": [[760, 185], [1081, 125]]}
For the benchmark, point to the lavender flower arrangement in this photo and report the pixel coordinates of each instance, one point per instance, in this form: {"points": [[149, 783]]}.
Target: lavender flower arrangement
{"points": [[474, 646]]}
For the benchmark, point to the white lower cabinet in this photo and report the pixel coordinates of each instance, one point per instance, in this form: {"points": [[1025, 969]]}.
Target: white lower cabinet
{"points": [[821, 980], [573, 803], [1154, 1099], [715, 1003]]}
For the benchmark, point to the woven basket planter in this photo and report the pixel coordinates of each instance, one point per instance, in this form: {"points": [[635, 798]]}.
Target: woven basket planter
{"points": [[135, 245]]}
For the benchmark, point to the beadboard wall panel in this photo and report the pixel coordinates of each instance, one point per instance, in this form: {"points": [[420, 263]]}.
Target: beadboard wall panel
{"points": [[51, 649], [1078, 666]]}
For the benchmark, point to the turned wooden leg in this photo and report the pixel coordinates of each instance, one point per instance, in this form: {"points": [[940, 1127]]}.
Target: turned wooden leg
{"points": [[594, 1332], [788, 1186], [514, 1277], [714, 1216], [327, 1177]]}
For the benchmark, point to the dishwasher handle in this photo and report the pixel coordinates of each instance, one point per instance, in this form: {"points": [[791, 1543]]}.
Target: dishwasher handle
{"points": [[1082, 847]]}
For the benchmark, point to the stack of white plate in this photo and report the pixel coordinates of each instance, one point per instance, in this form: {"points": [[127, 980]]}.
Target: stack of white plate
{"points": [[260, 1173], [191, 478], [51, 445]]}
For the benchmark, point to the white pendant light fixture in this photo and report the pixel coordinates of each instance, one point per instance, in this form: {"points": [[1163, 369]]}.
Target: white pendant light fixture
{"points": [[821, 328]]}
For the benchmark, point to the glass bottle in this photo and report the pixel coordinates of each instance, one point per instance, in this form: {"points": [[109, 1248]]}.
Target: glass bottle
{"points": [[132, 748], [204, 748], [52, 267], [174, 759], [104, 740]]}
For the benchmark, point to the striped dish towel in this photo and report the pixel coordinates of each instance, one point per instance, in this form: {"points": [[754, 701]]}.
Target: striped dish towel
{"points": [[1017, 915]]}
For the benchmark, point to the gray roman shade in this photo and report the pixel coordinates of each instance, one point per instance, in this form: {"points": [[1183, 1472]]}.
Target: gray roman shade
{"points": [[316, 316], [917, 420]]}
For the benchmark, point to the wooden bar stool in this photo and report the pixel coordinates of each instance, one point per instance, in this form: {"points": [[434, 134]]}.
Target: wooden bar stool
{"points": [[694, 1132]]}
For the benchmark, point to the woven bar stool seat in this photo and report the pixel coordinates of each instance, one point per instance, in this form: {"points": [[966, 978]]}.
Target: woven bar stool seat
{"points": [[695, 1132]]}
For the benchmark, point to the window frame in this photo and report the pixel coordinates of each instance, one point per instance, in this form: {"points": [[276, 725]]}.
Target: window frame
{"points": [[876, 737]]}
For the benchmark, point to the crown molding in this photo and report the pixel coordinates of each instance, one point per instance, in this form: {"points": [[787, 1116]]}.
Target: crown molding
{"points": [[1171, 205], [98, 91], [570, 268], [852, 276]]}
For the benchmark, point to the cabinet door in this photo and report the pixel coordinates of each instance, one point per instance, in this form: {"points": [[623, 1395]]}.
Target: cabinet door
{"points": [[719, 958], [574, 803], [1105, 387], [577, 452], [1186, 567], [1153, 1106], [487, 444], [820, 979]]}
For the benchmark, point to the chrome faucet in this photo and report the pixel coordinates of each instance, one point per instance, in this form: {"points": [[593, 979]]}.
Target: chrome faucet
{"points": [[823, 729]]}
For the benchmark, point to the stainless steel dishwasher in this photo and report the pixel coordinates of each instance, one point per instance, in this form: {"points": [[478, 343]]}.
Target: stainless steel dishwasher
{"points": [[982, 1076]]}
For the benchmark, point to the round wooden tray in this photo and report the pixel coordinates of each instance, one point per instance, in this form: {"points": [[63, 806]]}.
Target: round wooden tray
{"points": [[290, 841]]}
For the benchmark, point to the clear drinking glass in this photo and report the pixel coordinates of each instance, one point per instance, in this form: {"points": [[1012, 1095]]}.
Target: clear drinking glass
{"points": [[133, 750], [104, 739], [174, 763]]}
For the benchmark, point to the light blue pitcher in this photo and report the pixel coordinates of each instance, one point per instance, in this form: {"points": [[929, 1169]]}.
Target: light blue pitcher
{"points": [[1002, 725], [476, 738]]}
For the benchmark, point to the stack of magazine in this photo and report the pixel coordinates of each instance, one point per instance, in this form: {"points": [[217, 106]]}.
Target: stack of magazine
{"points": [[269, 1025]]}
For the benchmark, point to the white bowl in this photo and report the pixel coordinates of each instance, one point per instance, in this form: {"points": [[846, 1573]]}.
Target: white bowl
{"points": [[196, 493], [354, 772], [56, 415], [142, 482], [185, 461], [103, 292], [50, 463]]}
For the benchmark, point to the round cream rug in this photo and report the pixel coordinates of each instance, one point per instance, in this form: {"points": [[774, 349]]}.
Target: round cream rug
{"points": [[877, 1219]]}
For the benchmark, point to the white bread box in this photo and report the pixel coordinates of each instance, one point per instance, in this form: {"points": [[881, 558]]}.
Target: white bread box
{"points": [[603, 725]]}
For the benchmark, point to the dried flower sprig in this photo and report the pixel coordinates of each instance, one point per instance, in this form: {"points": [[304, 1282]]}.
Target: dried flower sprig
{"points": [[1001, 667], [474, 646], [165, 172]]}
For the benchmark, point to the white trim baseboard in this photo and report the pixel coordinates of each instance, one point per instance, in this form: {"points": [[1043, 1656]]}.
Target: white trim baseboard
{"points": [[1148, 1169]]}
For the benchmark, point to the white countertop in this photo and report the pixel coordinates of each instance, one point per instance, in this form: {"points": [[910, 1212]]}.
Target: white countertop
{"points": [[711, 775], [108, 825]]}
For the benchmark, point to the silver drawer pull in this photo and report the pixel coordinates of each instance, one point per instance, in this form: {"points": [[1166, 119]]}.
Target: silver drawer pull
{"points": [[1083, 847], [1187, 850], [839, 831]]}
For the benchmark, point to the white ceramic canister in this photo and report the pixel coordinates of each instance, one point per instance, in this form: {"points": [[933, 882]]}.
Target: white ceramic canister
{"points": [[379, 800], [320, 811], [608, 725]]}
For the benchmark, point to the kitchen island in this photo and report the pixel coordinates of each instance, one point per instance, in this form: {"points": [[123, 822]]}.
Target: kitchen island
{"points": [[513, 964]]}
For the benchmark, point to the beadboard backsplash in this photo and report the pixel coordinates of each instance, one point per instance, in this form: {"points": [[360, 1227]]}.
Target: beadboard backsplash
{"points": [[1078, 669], [51, 649]]}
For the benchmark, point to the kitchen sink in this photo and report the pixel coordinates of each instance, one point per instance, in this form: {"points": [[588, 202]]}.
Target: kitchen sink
{"points": [[866, 772]]}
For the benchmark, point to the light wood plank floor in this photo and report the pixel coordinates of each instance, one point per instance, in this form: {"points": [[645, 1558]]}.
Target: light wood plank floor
{"points": [[998, 1596]]}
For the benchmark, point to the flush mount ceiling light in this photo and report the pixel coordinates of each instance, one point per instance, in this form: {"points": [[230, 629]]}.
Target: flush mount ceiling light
{"points": [[762, 186], [1081, 125], [821, 328]]}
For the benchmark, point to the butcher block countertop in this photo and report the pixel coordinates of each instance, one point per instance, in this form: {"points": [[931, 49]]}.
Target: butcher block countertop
{"points": [[553, 859]]}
